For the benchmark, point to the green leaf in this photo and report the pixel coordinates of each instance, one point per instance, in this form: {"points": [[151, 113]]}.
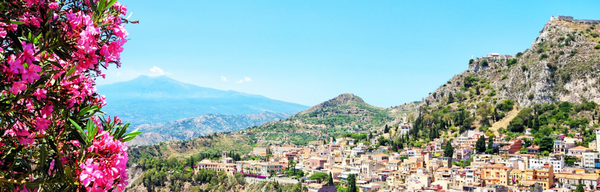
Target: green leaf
{"points": [[17, 22], [71, 71], [101, 6], [111, 3], [43, 154], [130, 136], [79, 131]]}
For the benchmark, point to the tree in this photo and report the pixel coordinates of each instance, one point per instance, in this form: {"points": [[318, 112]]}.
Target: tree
{"points": [[579, 188], [320, 176], [484, 110], [352, 183], [386, 129], [53, 135], [547, 144], [330, 181], [480, 144], [448, 150]]}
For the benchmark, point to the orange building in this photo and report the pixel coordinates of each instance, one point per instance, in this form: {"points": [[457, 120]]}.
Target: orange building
{"points": [[496, 174]]}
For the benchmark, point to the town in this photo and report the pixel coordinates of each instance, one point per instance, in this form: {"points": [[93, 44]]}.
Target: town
{"points": [[514, 167]]}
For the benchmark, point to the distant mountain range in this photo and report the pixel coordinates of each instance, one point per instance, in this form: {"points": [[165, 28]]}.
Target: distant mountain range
{"points": [[151, 100], [197, 126]]}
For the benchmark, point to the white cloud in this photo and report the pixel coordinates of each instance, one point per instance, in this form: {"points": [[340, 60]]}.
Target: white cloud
{"points": [[245, 79], [223, 78], [156, 71]]}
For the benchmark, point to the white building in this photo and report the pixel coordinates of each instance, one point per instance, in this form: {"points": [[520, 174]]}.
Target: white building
{"points": [[538, 163], [405, 128], [589, 159], [597, 138]]}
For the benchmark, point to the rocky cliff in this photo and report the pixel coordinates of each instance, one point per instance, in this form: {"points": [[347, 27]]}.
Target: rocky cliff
{"points": [[562, 64]]}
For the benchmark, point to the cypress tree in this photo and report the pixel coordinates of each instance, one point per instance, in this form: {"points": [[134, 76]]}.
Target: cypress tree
{"points": [[351, 183]]}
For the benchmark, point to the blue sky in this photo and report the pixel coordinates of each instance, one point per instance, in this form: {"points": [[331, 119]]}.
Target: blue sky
{"points": [[387, 52]]}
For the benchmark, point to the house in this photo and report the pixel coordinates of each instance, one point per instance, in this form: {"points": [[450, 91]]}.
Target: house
{"points": [[533, 149], [405, 128], [539, 162], [578, 151], [571, 180], [543, 176], [394, 164], [512, 147], [314, 187], [381, 157], [590, 160]]}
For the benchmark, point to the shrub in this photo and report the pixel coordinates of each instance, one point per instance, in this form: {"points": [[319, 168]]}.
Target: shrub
{"points": [[471, 61], [519, 54], [573, 52], [485, 63], [53, 138], [597, 46], [513, 61], [524, 68], [544, 56], [594, 35]]}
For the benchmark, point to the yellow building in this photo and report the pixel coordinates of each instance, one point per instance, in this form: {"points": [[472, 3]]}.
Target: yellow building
{"points": [[543, 176], [496, 174], [516, 177]]}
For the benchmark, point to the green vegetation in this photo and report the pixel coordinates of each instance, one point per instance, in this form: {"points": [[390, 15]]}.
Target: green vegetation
{"points": [[597, 46], [320, 177], [480, 145], [485, 63], [512, 61]]}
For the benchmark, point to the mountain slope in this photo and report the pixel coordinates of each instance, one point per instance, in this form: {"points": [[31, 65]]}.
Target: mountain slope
{"points": [[197, 126], [504, 94], [150, 100], [562, 64], [346, 113]]}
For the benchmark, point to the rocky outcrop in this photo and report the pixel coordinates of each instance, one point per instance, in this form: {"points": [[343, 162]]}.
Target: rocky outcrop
{"points": [[561, 65]]}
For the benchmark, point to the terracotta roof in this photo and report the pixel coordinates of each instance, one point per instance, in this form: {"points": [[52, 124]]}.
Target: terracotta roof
{"points": [[381, 155], [579, 148], [533, 147]]}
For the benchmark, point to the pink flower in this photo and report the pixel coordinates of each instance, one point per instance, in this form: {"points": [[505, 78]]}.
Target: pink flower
{"points": [[40, 94], [42, 123], [32, 73], [53, 5], [15, 64], [18, 87]]}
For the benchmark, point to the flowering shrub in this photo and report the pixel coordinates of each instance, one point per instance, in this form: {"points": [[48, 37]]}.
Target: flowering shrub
{"points": [[51, 134]]}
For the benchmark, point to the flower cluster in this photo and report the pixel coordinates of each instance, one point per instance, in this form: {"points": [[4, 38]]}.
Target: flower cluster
{"points": [[51, 52], [108, 165]]}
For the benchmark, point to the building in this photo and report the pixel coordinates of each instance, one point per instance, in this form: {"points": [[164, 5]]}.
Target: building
{"points": [[570, 180], [512, 147], [543, 176], [260, 168], [597, 138], [562, 146], [314, 187], [226, 165], [539, 162], [496, 174], [578, 151], [229, 168], [405, 128], [533, 149], [590, 160]]}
